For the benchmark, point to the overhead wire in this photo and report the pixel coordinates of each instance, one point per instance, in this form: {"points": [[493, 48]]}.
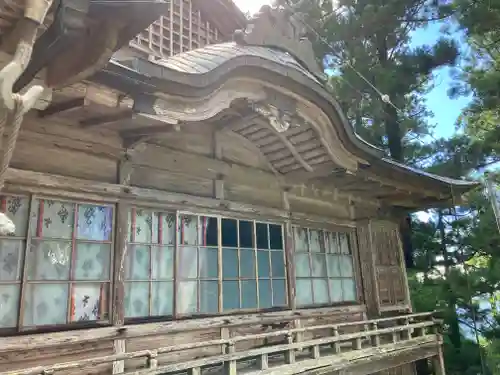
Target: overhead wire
{"points": [[384, 97]]}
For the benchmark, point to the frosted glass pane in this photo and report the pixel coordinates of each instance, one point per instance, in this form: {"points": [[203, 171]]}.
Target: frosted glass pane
{"points": [[146, 226], [168, 229], [318, 262], [162, 263], [95, 222], [230, 295], [247, 263], [302, 267], [188, 297], [346, 268], [189, 230], [304, 292], [336, 290], [188, 262], [136, 299], [320, 288], [49, 260], [137, 263], [344, 243], [56, 221], [249, 294], [279, 293], [163, 298], [17, 209], [316, 241], [278, 263], [229, 263], [349, 289], [300, 239], [209, 262], [333, 265], [209, 297], [265, 294], [92, 261], [264, 263], [333, 243], [90, 302], [45, 304], [11, 259], [9, 305]]}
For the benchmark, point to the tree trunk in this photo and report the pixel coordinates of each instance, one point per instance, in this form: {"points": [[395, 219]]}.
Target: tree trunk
{"points": [[455, 336]]}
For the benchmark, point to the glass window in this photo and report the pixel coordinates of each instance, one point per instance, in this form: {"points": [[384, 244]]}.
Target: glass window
{"points": [[68, 263], [221, 265], [12, 250], [149, 263], [323, 267]]}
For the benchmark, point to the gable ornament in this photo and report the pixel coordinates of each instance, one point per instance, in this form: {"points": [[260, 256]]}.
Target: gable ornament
{"points": [[280, 28]]}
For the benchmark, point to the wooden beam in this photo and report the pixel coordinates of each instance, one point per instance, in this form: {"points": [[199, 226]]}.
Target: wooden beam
{"points": [[40, 341], [239, 123], [149, 131], [56, 108], [319, 170], [106, 119]]}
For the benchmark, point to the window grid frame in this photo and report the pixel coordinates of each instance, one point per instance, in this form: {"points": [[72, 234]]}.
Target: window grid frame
{"points": [[178, 246], [326, 235], [131, 236], [220, 279], [28, 239]]}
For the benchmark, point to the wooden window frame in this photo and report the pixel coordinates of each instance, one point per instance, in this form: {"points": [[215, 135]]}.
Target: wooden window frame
{"points": [[165, 207], [353, 249], [221, 312], [24, 282]]}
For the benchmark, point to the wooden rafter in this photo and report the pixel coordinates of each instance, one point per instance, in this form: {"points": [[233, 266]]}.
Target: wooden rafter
{"points": [[287, 144], [107, 118], [66, 105]]}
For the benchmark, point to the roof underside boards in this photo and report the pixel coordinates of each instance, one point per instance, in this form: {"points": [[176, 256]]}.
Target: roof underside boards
{"points": [[200, 72]]}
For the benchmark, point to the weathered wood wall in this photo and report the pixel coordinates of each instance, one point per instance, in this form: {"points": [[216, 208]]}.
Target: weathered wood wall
{"points": [[19, 352], [199, 164], [384, 276], [179, 162]]}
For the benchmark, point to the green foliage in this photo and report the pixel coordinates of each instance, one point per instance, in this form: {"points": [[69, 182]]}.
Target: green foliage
{"points": [[457, 253], [371, 39]]}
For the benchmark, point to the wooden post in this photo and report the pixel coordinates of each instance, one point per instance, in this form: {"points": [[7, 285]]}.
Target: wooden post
{"points": [[366, 252], [376, 337], [120, 252], [290, 353], [230, 366], [438, 363], [336, 345]]}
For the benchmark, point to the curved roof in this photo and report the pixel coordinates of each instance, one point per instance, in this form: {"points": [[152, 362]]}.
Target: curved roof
{"points": [[198, 72]]}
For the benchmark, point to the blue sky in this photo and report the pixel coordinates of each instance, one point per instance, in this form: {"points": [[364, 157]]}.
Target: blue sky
{"points": [[445, 110]]}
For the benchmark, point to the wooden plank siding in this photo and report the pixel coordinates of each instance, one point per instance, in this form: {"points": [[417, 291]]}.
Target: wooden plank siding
{"points": [[57, 158]]}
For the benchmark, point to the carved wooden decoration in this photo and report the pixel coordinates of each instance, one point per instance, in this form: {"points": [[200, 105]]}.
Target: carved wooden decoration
{"points": [[277, 27]]}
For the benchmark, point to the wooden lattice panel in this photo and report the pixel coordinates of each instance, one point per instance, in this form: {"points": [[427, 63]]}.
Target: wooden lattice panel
{"points": [[388, 264], [182, 28]]}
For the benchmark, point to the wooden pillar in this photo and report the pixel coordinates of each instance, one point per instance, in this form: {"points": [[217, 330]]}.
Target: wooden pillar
{"points": [[118, 318], [217, 154], [438, 361], [367, 254]]}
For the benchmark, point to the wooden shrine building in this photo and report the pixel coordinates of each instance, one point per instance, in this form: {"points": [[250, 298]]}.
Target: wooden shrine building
{"points": [[203, 206]]}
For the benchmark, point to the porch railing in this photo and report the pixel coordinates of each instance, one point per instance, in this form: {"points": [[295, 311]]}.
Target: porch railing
{"points": [[337, 350]]}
